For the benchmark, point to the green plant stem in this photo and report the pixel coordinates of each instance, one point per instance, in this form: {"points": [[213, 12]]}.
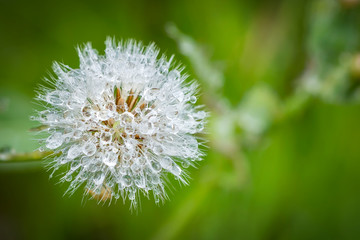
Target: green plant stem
{"points": [[23, 157]]}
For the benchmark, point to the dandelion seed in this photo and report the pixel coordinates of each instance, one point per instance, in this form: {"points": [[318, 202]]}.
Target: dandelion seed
{"points": [[121, 122]]}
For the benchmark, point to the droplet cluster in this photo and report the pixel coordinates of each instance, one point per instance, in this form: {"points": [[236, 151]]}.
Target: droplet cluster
{"points": [[122, 122]]}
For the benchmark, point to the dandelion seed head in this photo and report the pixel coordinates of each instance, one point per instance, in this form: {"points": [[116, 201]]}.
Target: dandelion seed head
{"points": [[122, 122]]}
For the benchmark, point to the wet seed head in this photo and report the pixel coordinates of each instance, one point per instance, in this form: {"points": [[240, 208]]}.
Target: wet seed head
{"points": [[121, 122]]}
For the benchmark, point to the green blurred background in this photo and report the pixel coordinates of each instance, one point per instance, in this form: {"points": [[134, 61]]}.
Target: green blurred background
{"points": [[297, 178]]}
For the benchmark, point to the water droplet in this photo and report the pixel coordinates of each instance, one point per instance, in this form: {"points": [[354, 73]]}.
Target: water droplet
{"points": [[146, 128], [158, 150], [179, 95], [157, 199], [89, 149], [139, 181], [54, 141], [63, 160], [166, 162], [174, 74], [54, 98], [75, 165], [200, 115], [73, 152], [162, 96], [155, 166], [52, 117], [110, 159], [175, 169], [132, 194], [149, 72], [136, 168], [116, 196], [185, 164], [193, 99], [171, 112], [68, 178], [126, 180], [200, 127], [99, 178], [77, 134], [164, 69], [110, 106], [192, 143], [151, 93], [102, 115], [86, 112], [129, 129], [106, 137], [110, 184], [126, 118], [155, 179]]}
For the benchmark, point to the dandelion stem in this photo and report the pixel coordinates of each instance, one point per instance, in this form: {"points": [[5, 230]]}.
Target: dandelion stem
{"points": [[23, 157], [10, 161]]}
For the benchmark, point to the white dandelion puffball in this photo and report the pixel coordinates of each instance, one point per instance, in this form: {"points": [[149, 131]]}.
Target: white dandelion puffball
{"points": [[122, 123]]}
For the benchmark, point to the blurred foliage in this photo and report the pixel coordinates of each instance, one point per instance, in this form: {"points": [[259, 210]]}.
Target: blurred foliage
{"points": [[332, 44], [283, 161]]}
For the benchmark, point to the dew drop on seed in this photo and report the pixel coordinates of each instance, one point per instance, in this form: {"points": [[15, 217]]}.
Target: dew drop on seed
{"points": [[126, 157], [126, 118], [201, 115], [136, 168], [146, 127], [116, 196], [99, 178], [86, 111], [75, 165], [102, 115], [110, 184], [63, 160], [151, 94], [175, 169], [54, 98], [174, 74], [192, 143], [155, 179], [105, 137], [129, 129], [54, 141], [140, 182], [132, 195], [179, 95], [162, 96], [68, 178], [77, 134], [193, 99], [164, 69], [110, 159], [200, 127], [73, 152], [155, 166], [185, 164], [89, 149], [166, 162], [126, 180], [158, 150]]}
